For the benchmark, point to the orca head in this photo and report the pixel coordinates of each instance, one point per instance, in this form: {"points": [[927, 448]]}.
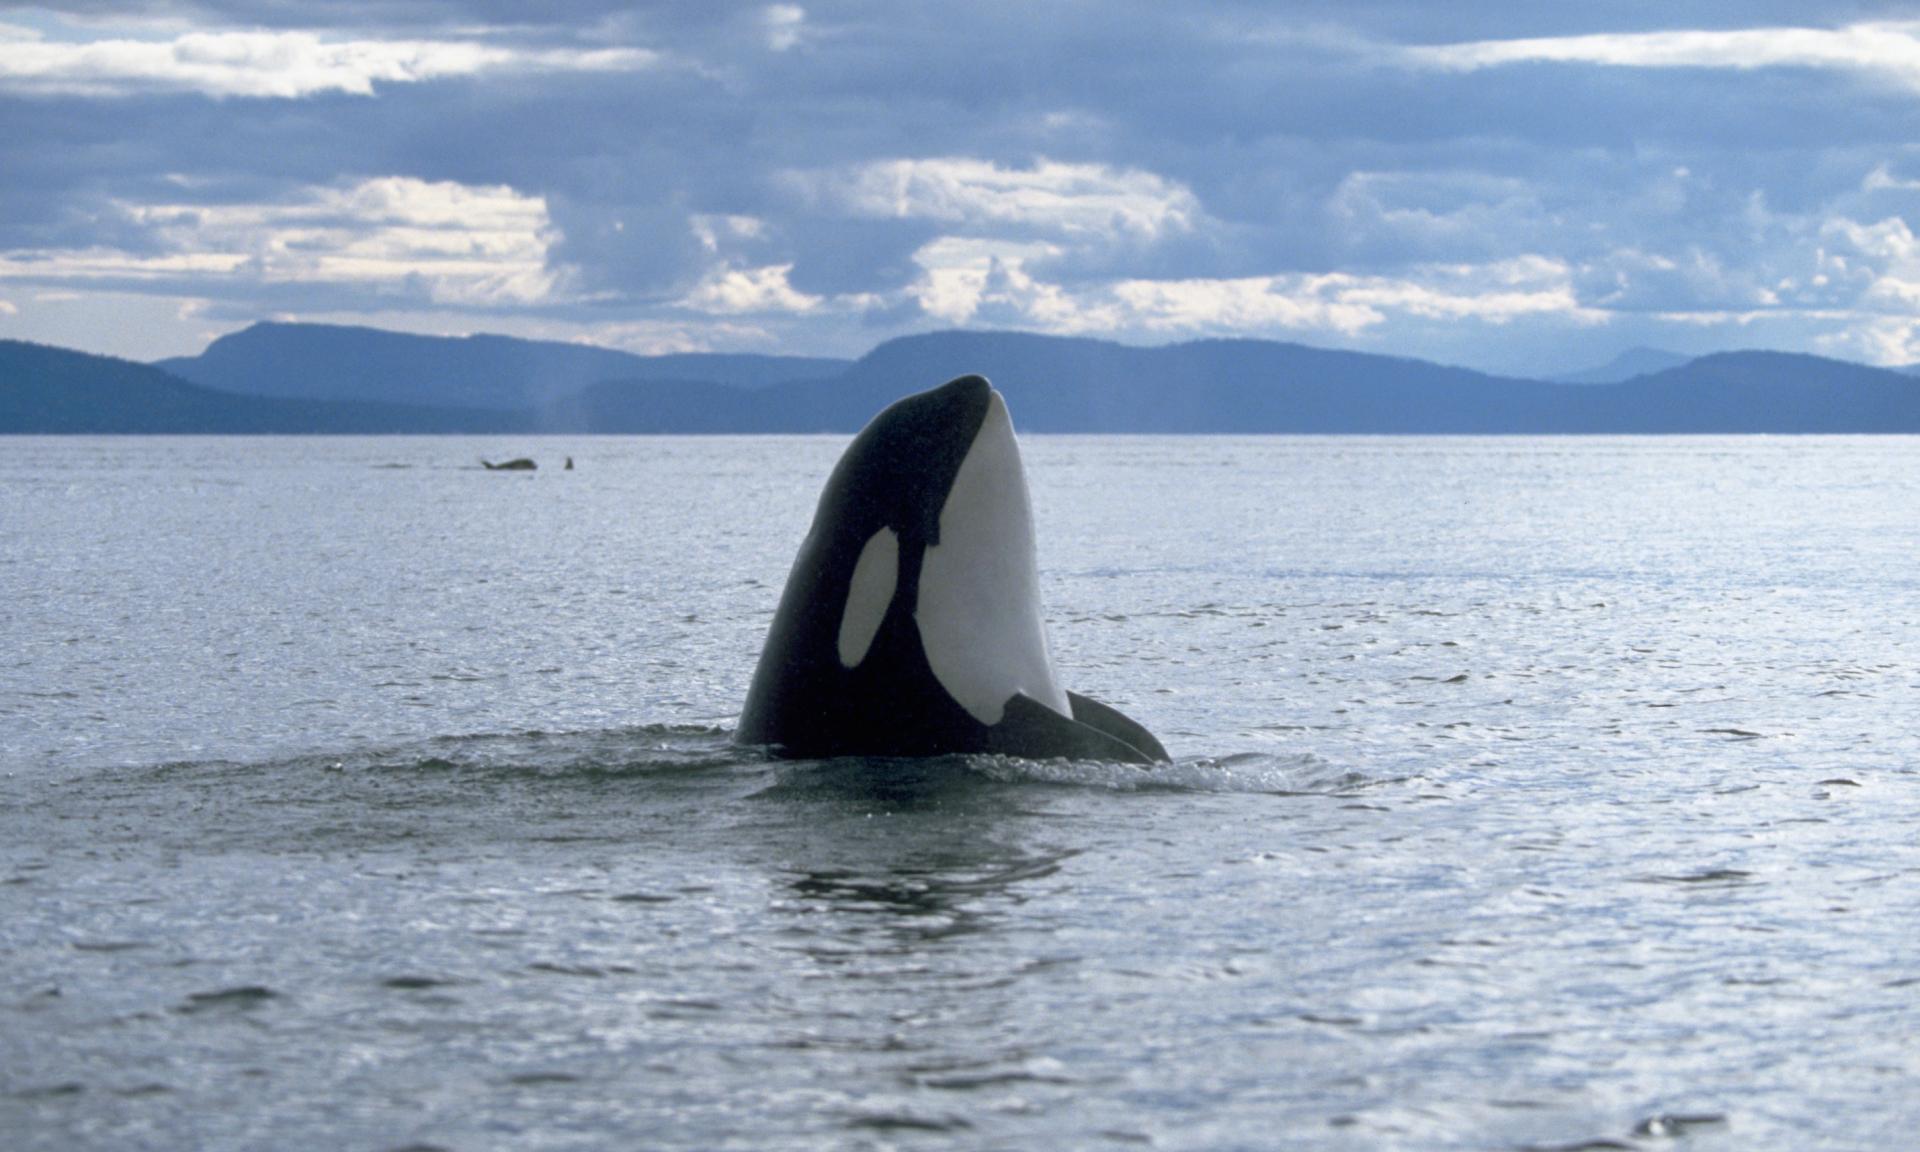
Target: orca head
{"points": [[885, 498], [931, 501], [978, 608], [896, 472], [920, 561]]}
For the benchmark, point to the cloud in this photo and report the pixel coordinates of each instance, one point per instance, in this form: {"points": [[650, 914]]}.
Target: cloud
{"points": [[1890, 240], [445, 242], [284, 64], [744, 290], [818, 175], [1885, 255], [1888, 49], [1423, 216], [784, 25], [1497, 294], [1883, 180], [963, 278], [1075, 200], [976, 281]]}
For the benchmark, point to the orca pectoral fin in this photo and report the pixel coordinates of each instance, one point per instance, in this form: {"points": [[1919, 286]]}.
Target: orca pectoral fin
{"points": [[1118, 725], [1031, 729]]}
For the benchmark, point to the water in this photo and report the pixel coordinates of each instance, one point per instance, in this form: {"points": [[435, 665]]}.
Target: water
{"points": [[1529, 794]]}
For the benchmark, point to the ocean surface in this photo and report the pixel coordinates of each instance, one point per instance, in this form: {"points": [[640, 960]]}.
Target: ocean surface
{"points": [[1529, 794]]}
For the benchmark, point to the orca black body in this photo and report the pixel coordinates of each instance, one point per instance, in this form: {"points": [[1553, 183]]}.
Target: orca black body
{"points": [[910, 624]]}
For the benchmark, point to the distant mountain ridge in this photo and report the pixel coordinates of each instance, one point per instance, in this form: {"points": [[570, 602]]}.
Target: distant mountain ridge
{"points": [[1053, 384], [56, 390], [335, 362], [1633, 362]]}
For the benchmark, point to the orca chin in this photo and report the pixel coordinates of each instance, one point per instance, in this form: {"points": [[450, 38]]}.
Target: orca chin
{"points": [[910, 624]]}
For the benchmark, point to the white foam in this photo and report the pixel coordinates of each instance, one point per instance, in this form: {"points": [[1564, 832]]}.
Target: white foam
{"points": [[1242, 773]]}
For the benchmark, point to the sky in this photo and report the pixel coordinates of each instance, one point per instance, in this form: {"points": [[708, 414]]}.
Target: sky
{"points": [[1517, 187]]}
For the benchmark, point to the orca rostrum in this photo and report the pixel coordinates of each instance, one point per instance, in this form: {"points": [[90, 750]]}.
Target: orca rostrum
{"points": [[910, 624]]}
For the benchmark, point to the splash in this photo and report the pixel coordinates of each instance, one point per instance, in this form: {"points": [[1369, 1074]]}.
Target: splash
{"points": [[1246, 772]]}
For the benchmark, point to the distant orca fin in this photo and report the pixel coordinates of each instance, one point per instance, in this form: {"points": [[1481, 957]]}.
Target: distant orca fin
{"points": [[1030, 729], [1114, 723]]}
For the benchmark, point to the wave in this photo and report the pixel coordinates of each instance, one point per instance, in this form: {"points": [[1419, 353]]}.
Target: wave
{"points": [[665, 753], [640, 750], [1250, 772]]}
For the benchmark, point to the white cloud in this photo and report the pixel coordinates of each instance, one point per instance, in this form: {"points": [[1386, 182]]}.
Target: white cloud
{"points": [[743, 290], [1889, 240], [957, 274], [1690, 276], [1888, 340], [971, 281], [998, 222], [784, 25], [716, 232], [1852, 290], [1247, 304], [1891, 49], [1073, 200], [454, 243], [282, 64], [9, 308], [1882, 180], [1886, 255], [1497, 293], [99, 263]]}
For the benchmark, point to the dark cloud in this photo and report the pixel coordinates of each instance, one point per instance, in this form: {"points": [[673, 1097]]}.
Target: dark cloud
{"points": [[1287, 141], [838, 256], [645, 251]]}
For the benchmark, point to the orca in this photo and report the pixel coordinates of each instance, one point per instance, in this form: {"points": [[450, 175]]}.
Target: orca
{"points": [[910, 624]]}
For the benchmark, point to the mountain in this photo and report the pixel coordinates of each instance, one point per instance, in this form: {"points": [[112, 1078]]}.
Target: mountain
{"points": [[1056, 384], [44, 389], [1053, 384], [1758, 392], [1252, 387], [331, 362], [1629, 364], [1219, 386]]}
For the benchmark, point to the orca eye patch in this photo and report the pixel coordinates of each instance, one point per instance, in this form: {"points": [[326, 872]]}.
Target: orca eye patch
{"points": [[869, 593]]}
